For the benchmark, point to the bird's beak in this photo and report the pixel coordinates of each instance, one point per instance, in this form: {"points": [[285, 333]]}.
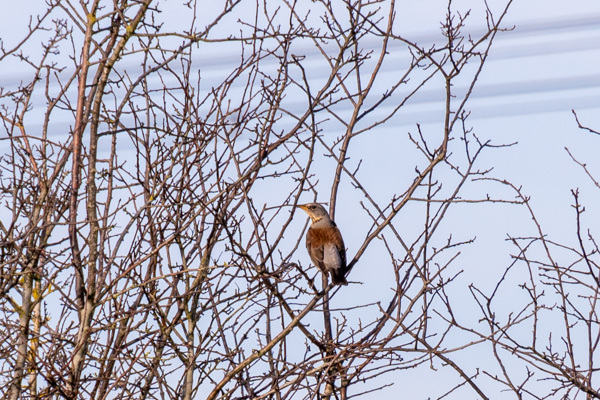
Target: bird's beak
{"points": [[304, 208]]}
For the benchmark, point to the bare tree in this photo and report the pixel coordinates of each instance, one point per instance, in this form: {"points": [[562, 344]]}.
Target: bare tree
{"points": [[150, 243], [552, 332]]}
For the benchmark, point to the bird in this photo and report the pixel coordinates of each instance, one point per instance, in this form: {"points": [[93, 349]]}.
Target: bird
{"points": [[325, 244]]}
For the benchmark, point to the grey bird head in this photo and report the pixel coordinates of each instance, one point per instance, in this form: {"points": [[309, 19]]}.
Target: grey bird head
{"points": [[315, 211]]}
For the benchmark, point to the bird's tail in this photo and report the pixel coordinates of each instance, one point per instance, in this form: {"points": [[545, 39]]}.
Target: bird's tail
{"points": [[338, 278]]}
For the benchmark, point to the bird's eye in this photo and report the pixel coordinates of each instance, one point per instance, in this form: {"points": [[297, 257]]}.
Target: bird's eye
{"points": [[312, 207]]}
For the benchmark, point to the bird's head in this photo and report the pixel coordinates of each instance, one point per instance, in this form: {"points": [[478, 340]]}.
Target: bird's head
{"points": [[315, 211]]}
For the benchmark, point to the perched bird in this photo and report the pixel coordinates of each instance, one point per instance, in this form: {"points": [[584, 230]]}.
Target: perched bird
{"points": [[325, 244]]}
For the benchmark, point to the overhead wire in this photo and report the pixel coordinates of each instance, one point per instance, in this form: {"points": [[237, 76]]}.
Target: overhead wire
{"points": [[582, 36]]}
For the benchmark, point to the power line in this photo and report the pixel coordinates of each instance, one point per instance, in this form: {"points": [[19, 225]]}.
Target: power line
{"points": [[502, 51]]}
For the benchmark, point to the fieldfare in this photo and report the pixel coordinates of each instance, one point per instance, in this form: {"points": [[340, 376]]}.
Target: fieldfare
{"points": [[325, 244]]}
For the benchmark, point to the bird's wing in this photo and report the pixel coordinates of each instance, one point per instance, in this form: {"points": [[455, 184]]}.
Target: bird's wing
{"points": [[335, 258], [339, 244]]}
